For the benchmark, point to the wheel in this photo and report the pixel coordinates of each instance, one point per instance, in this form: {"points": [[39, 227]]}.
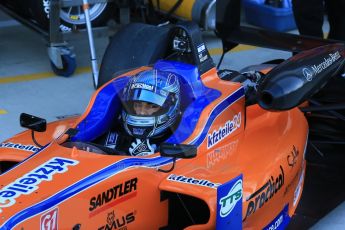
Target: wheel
{"points": [[69, 65], [71, 17], [135, 45]]}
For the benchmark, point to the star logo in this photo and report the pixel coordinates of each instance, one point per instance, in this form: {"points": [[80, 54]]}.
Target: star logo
{"points": [[308, 74]]}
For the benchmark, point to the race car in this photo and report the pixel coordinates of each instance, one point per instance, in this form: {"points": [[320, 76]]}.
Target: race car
{"points": [[235, 161]]}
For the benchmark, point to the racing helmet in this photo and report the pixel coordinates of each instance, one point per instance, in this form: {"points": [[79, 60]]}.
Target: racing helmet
{"points": [[160, 88]]}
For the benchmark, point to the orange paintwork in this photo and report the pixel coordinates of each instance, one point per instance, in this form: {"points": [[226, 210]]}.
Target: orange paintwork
{"points": [[266, 147]]}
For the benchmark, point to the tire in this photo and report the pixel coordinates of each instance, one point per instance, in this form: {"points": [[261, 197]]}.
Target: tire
{"points": [[99, 14], [135, 45]]}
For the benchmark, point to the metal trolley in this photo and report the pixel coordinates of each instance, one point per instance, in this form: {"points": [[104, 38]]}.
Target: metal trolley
{"points": [[61, 54]]}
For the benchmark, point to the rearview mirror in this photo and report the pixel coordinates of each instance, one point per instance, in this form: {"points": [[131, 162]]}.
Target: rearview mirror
{"points": [[34, 123], [178, 150]]}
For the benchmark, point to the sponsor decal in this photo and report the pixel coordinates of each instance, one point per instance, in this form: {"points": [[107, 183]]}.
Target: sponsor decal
{"points": [[298, 190], [202, 52], [118, 222], [229, 204], [233, 98], [49, 220], [265, 193], [308, 74], [30, 181], [201, 48], [64, 28], [142, 86], [46, 7], [193, 181], [115, 195], [84, 184], [292, 157], [221, 154], [141, 147], [333, 57], [29, 148], [111, 140], [280, 222], [224, 131]]}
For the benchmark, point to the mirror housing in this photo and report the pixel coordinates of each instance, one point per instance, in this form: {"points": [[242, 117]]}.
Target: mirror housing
{"points": [[33, 123], [178, 150]]}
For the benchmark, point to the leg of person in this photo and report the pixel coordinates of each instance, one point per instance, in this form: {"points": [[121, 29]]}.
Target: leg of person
{"points": [[335, 11], [309, 16]]}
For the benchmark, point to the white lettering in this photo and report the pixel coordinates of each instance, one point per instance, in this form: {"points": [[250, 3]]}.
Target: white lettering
{"points": [[30, 148], [142, 86], [228, 202], [191, 180], [30, 181], [326, 63], [224, 131], [277, 223], [46, 7]]}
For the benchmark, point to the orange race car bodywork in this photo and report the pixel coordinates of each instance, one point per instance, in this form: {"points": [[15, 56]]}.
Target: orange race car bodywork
{"points": [[248, 172], [248, 167]]}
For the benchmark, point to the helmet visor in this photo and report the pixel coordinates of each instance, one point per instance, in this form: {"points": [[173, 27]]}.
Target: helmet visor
{"points": [[148, 96]]}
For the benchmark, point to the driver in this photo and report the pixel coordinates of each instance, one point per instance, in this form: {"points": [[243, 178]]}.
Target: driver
{"points": [[150, 112]]}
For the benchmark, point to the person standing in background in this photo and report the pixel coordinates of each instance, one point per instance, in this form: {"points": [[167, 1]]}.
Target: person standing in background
{"points": [[309, 16]]}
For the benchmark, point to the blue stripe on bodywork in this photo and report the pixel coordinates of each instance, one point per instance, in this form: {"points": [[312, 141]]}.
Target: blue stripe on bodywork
{"points": [[82, 185], [215, 113], [281, 221], [26, 159]]}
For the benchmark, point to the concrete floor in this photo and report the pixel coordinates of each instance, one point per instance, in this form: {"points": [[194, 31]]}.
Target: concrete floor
{"points": [[28, 85]]}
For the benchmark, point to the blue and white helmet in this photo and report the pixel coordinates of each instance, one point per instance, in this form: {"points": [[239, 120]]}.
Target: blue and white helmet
{"points": [[161, 88]]}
